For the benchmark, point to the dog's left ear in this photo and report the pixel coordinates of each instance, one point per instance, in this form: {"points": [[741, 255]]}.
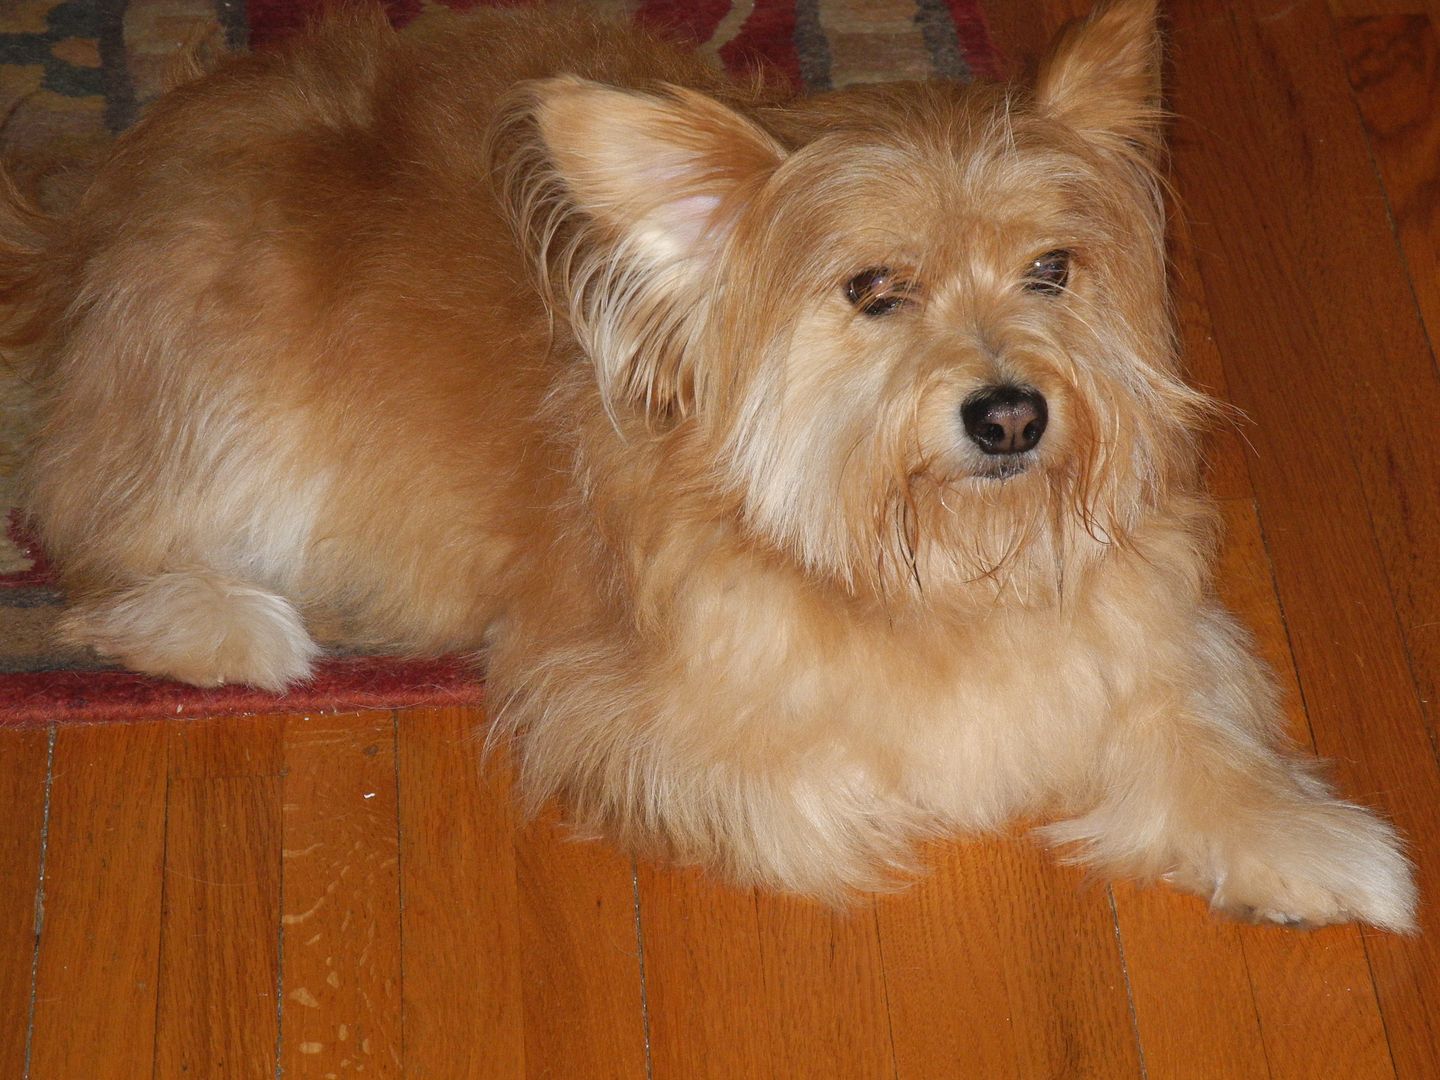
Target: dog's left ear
{"points": [[646, 190], [1102, 76], [658, 169]]}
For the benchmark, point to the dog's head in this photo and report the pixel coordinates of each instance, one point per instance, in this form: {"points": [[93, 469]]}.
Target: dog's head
{"points": [[921, 331]]}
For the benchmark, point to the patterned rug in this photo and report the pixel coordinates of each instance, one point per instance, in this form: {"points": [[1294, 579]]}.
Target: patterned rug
{"points": [[74, 73]]}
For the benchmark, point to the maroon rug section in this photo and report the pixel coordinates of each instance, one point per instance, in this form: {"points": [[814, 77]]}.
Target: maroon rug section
{"points": [[97, 697], [40, 575], [981, 55], [42, 682]]}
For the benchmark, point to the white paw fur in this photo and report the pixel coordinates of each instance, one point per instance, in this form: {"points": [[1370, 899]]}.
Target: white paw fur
{"points": [[198, 627], [1329, 862]]}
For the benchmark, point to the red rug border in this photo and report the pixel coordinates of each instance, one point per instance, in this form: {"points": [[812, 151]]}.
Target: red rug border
{"points": [[41, 698]]}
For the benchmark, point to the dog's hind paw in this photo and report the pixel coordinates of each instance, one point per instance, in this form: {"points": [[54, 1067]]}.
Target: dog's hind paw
{"points": [[198, 627]]}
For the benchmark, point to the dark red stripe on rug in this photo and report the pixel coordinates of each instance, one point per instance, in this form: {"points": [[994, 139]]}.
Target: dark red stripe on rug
{"points": [[40, 574], [767, 38], [96, 697], [983, 58]]}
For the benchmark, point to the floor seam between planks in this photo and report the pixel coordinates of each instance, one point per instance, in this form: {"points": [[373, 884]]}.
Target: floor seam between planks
{"points": [[40, 895], [280, 924], [163, 936], [1129, 990], [640, 961], [395, 715]]}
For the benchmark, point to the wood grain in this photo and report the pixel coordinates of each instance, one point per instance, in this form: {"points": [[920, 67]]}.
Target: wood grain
{"points": [[1225, 447], [584, 1012], [95, 991], [1394, 68], [245, 746], [741, 983], [1002, 964], [1194, 1003], [23, 774], [462, 996], [342, 976], [1303, 283], [825, 981], [1023, 29], [1313, 996], [1362, 9], [704, 977], [220, 926]]}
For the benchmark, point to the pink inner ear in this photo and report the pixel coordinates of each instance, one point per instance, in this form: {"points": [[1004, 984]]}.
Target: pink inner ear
{"points": [[688, 220], [655, 168]]}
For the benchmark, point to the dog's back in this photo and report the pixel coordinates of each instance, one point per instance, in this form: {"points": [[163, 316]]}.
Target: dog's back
{"points": [[279, 346]]}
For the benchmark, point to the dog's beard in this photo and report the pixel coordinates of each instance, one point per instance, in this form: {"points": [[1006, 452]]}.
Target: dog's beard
{"points": [[951, 529], [894, 503]]}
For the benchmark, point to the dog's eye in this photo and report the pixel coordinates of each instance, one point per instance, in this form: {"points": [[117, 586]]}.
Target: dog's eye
{"points": [[1049, 274], [876, 291]]}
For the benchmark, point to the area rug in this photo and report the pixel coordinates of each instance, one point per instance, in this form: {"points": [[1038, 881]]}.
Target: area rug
{"points": [[74, 73]]}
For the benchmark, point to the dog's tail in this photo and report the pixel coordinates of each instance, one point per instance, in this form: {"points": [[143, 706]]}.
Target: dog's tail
{"points": [[29, 274]]}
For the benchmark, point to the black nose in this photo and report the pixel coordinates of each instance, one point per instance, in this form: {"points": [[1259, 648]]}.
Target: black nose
{"points": [[1005, 419]]}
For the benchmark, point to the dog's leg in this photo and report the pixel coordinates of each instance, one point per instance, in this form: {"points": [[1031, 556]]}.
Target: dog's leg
{"points": [[200, 627], [1196, 789]]}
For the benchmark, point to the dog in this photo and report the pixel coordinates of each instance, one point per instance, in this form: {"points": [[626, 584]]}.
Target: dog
{"points": [[812, 474]]}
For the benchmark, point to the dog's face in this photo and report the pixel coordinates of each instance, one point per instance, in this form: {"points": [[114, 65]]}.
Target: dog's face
{"points": [[921, 331]]}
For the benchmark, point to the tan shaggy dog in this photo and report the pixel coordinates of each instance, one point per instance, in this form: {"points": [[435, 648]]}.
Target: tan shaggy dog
{"points": [[811, 474]]}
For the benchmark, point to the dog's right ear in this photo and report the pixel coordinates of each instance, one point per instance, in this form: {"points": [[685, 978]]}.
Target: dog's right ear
{"points": [[1102, 76], [627, 201]]}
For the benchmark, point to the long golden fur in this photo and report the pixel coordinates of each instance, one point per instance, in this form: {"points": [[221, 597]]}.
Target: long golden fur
{"points": [[532, 336]]}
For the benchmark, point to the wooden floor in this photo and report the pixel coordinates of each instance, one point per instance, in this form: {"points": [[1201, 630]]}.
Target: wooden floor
{"points": [[338, 896]]}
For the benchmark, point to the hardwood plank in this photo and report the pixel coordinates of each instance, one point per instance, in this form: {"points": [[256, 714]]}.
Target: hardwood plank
{"points": [[1202, 1024], [1393, 63], [95, 992], [582, 978], [825, 985], [1359, 9], [748, 983], [704, 976], [1394, 68], [462, 991], [24, 757], [1303, 283], [219, 953], [1241, 1011], [1025, 960], [341, 969], [1317, 1003], [230, 746]]}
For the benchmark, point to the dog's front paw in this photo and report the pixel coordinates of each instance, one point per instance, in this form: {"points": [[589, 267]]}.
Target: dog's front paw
{"points": [[1323, 863]]}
